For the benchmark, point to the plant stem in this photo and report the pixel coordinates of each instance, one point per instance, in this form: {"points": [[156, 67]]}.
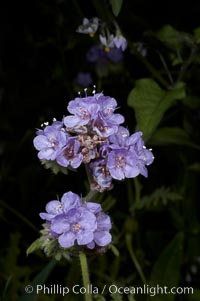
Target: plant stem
{"points": [[150, 67], [134, 259], [85, 275], [137, 189]]}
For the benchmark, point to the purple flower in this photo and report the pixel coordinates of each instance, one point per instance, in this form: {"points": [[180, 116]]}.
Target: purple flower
{"points": [[115, 55], [95, 54], [73, 222], [106, 127], [89, 26], [120, 42], [144, 155], [122, 163], [68, 201], [83, 110], [70, 154], [133, 145], [96, 112], [49, 142], [78, 224], [84, 79], [101, 175], [102, 236]]}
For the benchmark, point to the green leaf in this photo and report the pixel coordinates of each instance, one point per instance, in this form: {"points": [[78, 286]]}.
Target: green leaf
{"points": [[40, 279], [150, 102], [175, 135], [116, 6], [173, 38], [170, 36], [166, 271], [197, 35], [160, 197], [36, 245]]}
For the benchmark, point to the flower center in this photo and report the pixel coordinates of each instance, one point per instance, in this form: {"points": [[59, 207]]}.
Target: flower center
{"points": [[120, 161], [76, 227]]}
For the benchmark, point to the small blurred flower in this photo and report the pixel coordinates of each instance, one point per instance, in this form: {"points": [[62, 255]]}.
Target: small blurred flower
{"points": [[141, 48], [97, 54], [89, 26], [107, 41], [84, 79], [120, 41], [115, 55]]}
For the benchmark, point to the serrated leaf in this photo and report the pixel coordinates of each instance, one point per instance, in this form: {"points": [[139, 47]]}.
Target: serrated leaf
{"points": [[166, 271], [116, 6], [175, 135], [150, 102], [161, 196]]}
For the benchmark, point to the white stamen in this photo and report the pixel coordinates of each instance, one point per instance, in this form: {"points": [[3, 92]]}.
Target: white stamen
{"points": [[94, 91], [144, 146], [150, 149], [54, 119], [46, 123], [85, 90]]}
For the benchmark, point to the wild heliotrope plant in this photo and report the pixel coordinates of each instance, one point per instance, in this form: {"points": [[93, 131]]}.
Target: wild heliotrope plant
{"points": [[91, 135]]}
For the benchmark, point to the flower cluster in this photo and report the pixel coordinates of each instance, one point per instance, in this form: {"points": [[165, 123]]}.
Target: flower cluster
{"points": [[73, 222], [107, 39], [93, 135]]}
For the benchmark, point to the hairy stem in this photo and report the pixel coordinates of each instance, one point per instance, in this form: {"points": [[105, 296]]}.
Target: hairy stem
{"points": [[85, 275], [134, 258]]}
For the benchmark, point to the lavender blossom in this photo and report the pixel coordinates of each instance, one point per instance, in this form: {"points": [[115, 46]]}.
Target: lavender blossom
{"points": [[102, 237], [134, 146], [83, 110], [95, 111], [120, 41], [77, 224], [49, 142], [101, 176], [122, 164], [70, 155], [73, 222], [68, 201]]}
